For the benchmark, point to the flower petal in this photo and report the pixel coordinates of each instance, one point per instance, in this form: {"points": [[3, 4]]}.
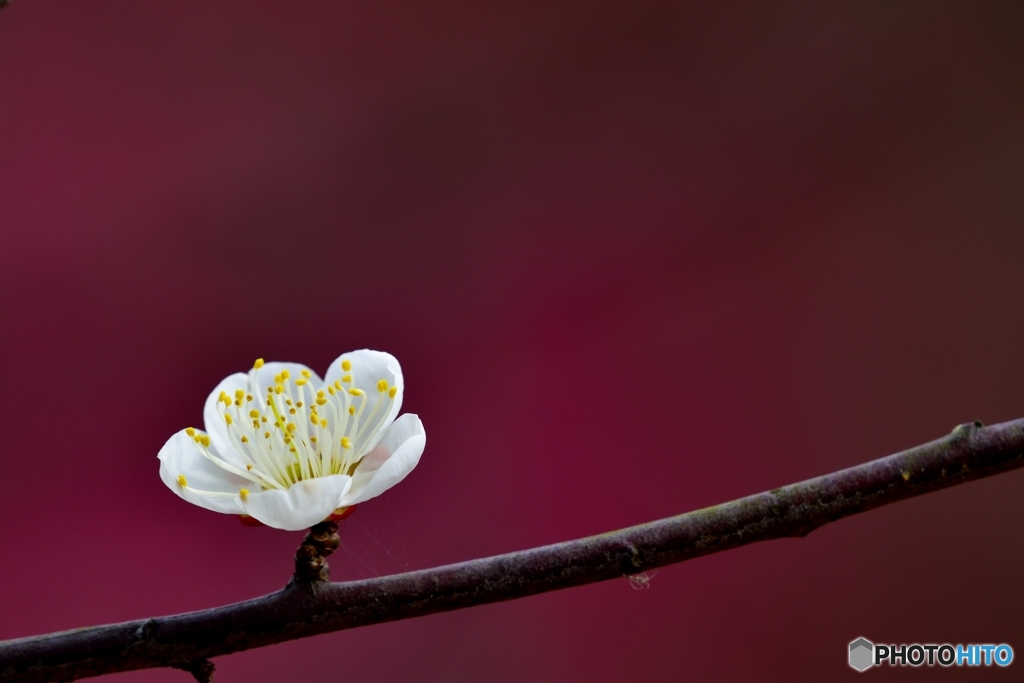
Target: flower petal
{"points": [[368, 368], [213, 418], [306, 503], [213, 414], [181, 456], [265, 375], [394, 457]]}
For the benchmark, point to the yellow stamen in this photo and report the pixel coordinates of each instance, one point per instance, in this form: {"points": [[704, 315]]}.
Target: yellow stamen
{"points": [[254, 414], [278, 388], [306, 374], [258, 364], [393, 391], [239, 394], [205, 440], [245, 439], [382, 386], [227, 418], [345, 443], [355, 392], [244, 493], [190, 431], [346, 378], [301, 381], [346, 365], [182, 481], [330, 390], [323, 423], [351, 410]]}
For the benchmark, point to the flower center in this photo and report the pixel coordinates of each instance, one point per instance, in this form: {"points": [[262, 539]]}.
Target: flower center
{"points": [[289, 431]]}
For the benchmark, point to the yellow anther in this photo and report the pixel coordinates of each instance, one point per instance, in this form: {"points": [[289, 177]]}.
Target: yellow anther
{"points": [[393, 391], [347, 378], [239, 394], [321, 400], [323, 423], [244, 493], [285, 374], [346, 365], [205, 440], [382, 386], [278, 379], [254, 414], [190, 431], [258, 364], [306, 373], [301, 381], [238, 402], [312, 439], [245, 439], [291, 411], [248, 467], [312, 417], [291, 427], [351, 410], [355, 392], [278, 388], [299, 404], [345, 443], [330, 390], [182, 481], [287, 401], [263, 417], [227, 418], [248, 397], [224, 398], [266, 435]]}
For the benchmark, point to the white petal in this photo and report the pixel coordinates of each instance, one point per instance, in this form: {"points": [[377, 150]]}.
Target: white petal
{"points": [[213, 418], [306, 503], [180, 455], [368, 368], [394, 457], [265, 375]]}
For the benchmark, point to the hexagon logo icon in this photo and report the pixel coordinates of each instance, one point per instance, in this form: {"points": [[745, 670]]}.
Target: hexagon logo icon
{"points": [[862, 653]]}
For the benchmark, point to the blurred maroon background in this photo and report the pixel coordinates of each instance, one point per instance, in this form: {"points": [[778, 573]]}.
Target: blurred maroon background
{"points": [[635, 259]]}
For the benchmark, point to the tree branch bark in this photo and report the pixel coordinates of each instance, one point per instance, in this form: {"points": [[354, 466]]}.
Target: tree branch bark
{"points": [[310, 607]]}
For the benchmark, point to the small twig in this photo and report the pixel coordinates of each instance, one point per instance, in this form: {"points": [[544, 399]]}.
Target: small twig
{"points": [[311, 557], [201, 669], [970, 452]]}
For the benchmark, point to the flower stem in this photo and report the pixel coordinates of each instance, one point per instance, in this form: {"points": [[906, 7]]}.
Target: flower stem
{"points": [[311, 557]]}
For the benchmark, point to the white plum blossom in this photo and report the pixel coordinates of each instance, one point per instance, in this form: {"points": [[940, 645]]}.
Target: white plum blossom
{"points": [[290, 449]]}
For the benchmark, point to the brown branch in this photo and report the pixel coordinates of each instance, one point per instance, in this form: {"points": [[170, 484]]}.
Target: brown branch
{"points": [[310, 607]]}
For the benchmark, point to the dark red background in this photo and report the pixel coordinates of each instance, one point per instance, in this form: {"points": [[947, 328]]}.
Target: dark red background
{"points": [[635, 259]]}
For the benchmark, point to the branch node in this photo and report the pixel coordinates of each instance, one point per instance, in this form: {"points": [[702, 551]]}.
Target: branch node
{"points": [[201, 669], [311, 557]]}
